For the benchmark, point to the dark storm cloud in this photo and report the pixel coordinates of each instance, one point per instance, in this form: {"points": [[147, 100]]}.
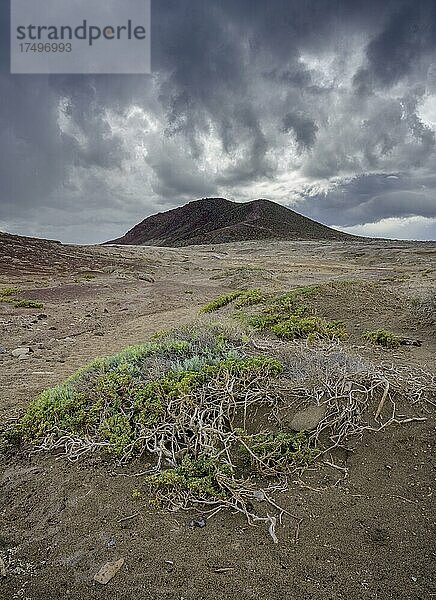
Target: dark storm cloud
{"points": [[371, 198], [288, 95], [403, 47], [303, 128]]}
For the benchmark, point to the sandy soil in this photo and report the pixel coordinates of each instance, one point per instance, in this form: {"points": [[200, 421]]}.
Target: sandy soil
{"points": [[368, 536]]}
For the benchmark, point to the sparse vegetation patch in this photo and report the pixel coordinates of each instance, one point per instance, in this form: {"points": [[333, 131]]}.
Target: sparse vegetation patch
{"points": [[288, 317], [9, 291], [28, 304], [211, 407], [242, 297], [382, 337], [311, 328], [249, 298], [219, 302]]}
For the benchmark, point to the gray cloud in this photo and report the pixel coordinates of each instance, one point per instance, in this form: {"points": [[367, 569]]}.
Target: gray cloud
{"points": [[403, 47], [314, 103], [371, 198], [303, 128]]}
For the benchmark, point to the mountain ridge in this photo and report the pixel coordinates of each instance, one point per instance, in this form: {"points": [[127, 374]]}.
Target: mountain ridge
{"points": [[218, 220]]}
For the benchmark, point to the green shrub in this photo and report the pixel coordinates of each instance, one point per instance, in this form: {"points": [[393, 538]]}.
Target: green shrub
{"points": [[9, 291], [249, 298], [287, 316], [315, 327], [198, 476], [28, 304], [113, 399], [117, 430], [279, 451], [60, 408], [220, 302], [384, 338]]}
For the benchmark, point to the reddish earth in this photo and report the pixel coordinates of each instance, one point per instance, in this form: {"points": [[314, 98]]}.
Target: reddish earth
{"points": [[218, 221]]}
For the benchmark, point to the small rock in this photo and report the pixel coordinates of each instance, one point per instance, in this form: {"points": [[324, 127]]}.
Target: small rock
{"points": [[259, 495], [201, 522], [2, 350], [308, 419], [41, 316], [108, 571], [148, 278], [169, 565], [22, 351]]}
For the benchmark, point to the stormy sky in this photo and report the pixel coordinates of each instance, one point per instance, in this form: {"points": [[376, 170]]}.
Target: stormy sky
{"points": [[326, 106]]}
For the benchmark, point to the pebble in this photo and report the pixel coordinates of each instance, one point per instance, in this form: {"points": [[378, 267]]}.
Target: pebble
{"points": [[201, 522], [21, 352], [308, 419]]}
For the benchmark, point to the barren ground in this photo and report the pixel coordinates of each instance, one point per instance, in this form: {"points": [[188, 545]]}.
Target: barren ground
{"points": [[370, 535]]}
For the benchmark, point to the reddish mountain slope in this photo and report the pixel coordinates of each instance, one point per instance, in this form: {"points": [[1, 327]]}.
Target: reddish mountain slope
{"points": [[217, 220]]}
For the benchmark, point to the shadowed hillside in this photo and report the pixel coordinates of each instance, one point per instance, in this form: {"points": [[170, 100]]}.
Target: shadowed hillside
{"points": [[217, 221]]}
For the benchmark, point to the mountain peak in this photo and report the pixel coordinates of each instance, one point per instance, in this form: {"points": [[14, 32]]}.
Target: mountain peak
{"points": [[218, 220]]}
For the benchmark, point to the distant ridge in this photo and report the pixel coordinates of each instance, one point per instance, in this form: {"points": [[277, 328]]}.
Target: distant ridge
{"points": [[217, 221]]}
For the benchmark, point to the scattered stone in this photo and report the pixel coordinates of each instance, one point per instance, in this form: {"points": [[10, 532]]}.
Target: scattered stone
{"points": [[22, 351], [407, 342], [108, 571], [223, 569], [259, 495], [201, 522], [308, 419], [169, 565], [41, 316]]}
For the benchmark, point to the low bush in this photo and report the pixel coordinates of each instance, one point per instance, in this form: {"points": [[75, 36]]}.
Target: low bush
{"points": [[219, 302], [382, 337], [28, 304], [309, 327], [9, 291]]}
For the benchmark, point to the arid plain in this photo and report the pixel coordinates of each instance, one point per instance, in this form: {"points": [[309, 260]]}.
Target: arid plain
{"points": [[365, 524]]}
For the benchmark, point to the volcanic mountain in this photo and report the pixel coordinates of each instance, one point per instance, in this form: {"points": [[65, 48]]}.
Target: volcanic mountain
{"points": [[217, 221]]}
